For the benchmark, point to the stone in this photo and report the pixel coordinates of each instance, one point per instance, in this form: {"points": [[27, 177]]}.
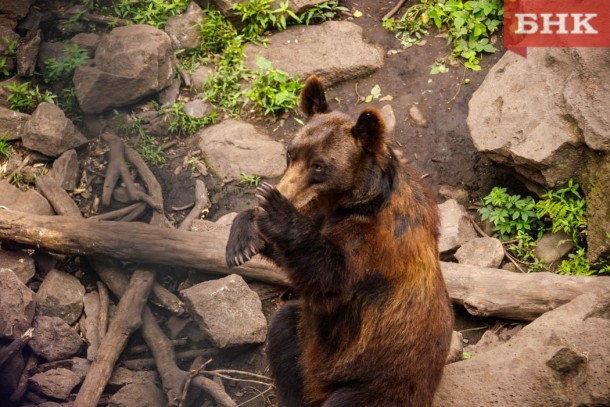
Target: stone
{"points": [[227, 310], [47, 51], [88, 41], [449, 192], [553, 246], [50, 132], [543, 126], [17, 305], [388, 118], [595, 183], [200, 76], [490, 340], [57, 383], [89, 324], [234, 147], [138, 395], [29, 201], [12, 123], [20, 263], [10, 373], [417, 116], [122, 377], [169, 95], [27, 54], [456, 349], [130, 63], [31, 22], [15, 9], [456, 228], [60, 295], [481, 251], [53, 339], [541, 365], [306, 50], [183, 29], [65, 170], [80, 367], [197, 108]]}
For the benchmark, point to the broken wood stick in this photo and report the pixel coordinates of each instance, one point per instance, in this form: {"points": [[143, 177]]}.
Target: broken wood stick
{"points": [[127, 320], [483, 291]]}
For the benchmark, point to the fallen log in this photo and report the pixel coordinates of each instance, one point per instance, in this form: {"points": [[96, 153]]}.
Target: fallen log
{"points": [[484, 292]]}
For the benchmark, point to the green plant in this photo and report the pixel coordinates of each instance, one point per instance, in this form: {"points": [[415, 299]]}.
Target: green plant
{"points": [[469, 25], [183, 124], [151, 12], [63, 68], [321, 12], [577, 264], [251, 180], [11, 46], [273, 89], [509, 213], [258, 17], [151, 151], [217, 33], [5, 146], [24, 98], [566, 209], [69, 104]]}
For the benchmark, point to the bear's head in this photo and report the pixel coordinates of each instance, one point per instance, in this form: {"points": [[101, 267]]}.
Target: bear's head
{"points": [[335, 161]]}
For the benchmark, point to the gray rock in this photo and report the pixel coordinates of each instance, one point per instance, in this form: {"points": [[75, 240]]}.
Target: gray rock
{"points": [[307, 50], [89, 324], [60, 295], [553, 246], [595, 183], [80, 367], [456, 349], [388, 118], [17, 305], [65, 170], [29, 201], [10, 373], [12, 123], [449, 192], [417, 116], [517, 373], [490, 340], [481, 251], [227, 310], [20, 263], [88, 41], [138, 395], [233, 147], [456, 228], [183, 29], [31, 22], [122, 377], [53, 339], [15, 9], [57, 383], [27, 54], [130, 63], [47, 51], [197, 108], [540, 126], [200, 76], [169, 95], [50, 132]]}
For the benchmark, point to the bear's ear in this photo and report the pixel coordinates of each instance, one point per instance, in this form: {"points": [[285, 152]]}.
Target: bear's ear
{"points": [[370, 130], [312, 97]]}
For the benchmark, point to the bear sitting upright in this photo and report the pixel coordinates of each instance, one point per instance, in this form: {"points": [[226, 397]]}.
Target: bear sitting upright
{"points": [[357, 234]]}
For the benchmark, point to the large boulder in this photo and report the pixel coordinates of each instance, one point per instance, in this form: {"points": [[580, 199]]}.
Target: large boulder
{"points": [[12, 123], [234, 147], [547, 116], [60, 295], [29, 201], [183, 29], [130, 63], [560, 359], [50, 132], [15, 9], [17, 305], [335, 50]]}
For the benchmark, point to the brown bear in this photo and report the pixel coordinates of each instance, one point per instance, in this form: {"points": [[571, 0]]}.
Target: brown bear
{"points": [[357, 234]]}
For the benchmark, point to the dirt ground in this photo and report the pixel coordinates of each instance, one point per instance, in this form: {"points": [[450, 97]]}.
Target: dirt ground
{"points": [[442, 150]]}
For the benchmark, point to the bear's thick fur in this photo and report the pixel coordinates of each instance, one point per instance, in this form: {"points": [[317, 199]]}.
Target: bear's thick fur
{"points": [[357, 234]]}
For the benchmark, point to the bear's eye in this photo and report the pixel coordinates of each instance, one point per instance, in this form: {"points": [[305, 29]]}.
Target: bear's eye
{"points": [[318, 168]]}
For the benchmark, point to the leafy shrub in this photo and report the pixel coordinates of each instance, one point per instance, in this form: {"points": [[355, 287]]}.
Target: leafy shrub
{"points": [[63, 68], [509, 213], [321, 12], [273, 89], [151, 12], [5, 147], [183, 124], [24, 98], [258, 17], [469, 25]]}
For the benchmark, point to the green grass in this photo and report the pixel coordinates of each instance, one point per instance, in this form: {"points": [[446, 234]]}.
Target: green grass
{"points": [[274, 90], [25, 98], [5, 146], [251, 180], [151, 12], [184, 125]]}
